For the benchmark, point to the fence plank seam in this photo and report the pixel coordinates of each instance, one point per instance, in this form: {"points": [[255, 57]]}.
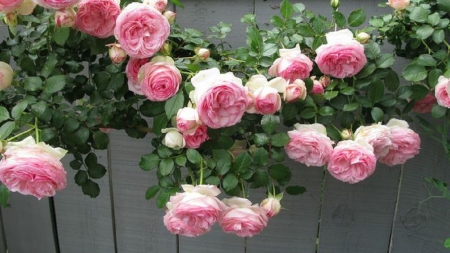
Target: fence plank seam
{"points": [[111, 196], [397, 201]]}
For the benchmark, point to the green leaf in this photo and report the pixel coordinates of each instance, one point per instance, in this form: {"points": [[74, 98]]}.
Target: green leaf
{"points": [[444, 5], [385, 61], [447, 241], [96, 171], [260, 179], [326, 111], [414, 72], [434, 19], [260, 156], [75, 164], [32, 83], [18, 109], [377, 114], [81, 135], [419, 91], [433, 77], [372, 50], [213, 180], [164, 152], [424, 32], [339, 18], [181, 160], [193, 156], [159, 122], [149, 162], [286, 9], [60, 35], [269, 49], [351, 107], [280, 139], [49, 65], [308, 113], [166, 166], [242, 162], [174, 104], [295, 190], [254, 39], [4, 114], [4, 195], [328, 95], [177, 3], [6, 129], [152, 191], [280, 172], [261, 139], [426, 60], [376, 91], [223, 161], [438, 36], [438, 111], [356, 18], [54, 84], [230, 182], [162, 198], [419, 14], [101, 140], [269, 123], [81, 177], [90, 188], [276, 21]]}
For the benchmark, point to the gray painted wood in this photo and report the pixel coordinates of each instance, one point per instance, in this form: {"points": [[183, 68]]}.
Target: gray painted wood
{"points": [[3, 245], [139, 222], [84, 224], [422, 229], [28, 226]]}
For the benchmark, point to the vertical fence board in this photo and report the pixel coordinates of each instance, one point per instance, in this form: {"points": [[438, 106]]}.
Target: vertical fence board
{"points": [[423, 230], [28, 226], [84, 224], [139, 223]]}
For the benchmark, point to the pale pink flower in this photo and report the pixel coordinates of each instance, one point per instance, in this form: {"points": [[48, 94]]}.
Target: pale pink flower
{"points": [[220, 98], [317, 88], [291, 65], [352, 161], [378, 136], [187, 120], [159, 80], [266, 100], [97, 17], [56, 4], [32, 168], [295, 91], [159, 5], [272, 206], [196, 139], [197, 207], [6, 75], [242, 218], [141, 30], [425, 104], [405, 143], [342, 56], [398, 4], [116, 53], [309, 144], [442, 91], [132, 70], [202, 53], [8, 6], [65, 17]]}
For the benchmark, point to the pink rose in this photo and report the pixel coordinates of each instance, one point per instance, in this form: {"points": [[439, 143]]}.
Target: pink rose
{"points": [[398, 4], [97, 17], [378, 136], [141, 30], [425, 104], [442, 91], [177, 226], [197, 207], [132, 70], [309, 144], [7, 6], [342, 56], [196, 139], [317, 88], [291, 65], [271, 205], [187, 120], [116, 53], [159, 80], [266, 100], [405, 143], [243, 219], [159, 5], [221, 99], [65, 17], [352, 161], [32, 168], [6, 75], [295, 91], [56, 4]]}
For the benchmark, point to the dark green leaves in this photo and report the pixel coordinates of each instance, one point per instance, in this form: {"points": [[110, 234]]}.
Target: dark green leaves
{"points": [[286, 9], [54, 84], [357, 18]]}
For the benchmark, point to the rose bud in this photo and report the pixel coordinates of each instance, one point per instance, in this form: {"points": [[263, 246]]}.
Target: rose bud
{"points": [[166, 49], [6, 75], [160, 5], [346, 134], [325, 80], [362, 37], [10, 19], [173, 139], [170, 15], [65, 17], [271, 205], [116, 53], [202, 53], [335, 4]]}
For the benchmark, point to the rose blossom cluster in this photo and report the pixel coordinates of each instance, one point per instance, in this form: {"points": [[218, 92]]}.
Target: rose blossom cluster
{"points": [[193, 212], [354, 159], [32, 168]]}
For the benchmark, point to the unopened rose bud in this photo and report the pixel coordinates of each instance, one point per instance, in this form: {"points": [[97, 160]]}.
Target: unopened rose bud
{"points": [[362, 37], [325, 81], [346, 134], [166, 49], [170, 15], [173, 139], [10, 19], [6, 75], [26, 8], [202, 53], [317, 88], [65, 17], [116, 53], [272, 205], [335, 4]]}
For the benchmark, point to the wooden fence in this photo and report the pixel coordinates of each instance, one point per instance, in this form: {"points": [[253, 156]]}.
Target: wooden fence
{"points": [[381, 214]]}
